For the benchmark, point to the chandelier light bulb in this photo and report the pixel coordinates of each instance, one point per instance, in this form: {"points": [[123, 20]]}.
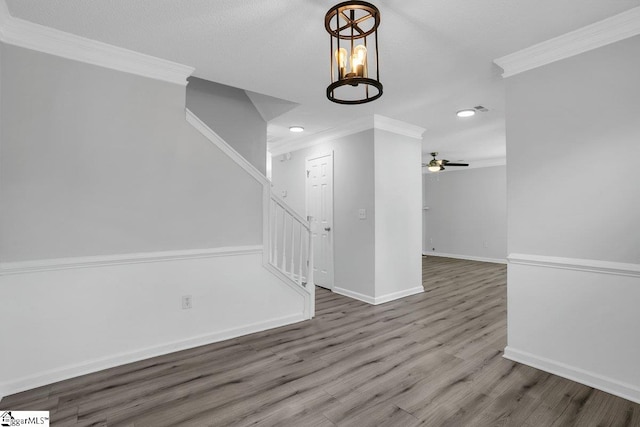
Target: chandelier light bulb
{"points": [[341, 59], [359, 61]]}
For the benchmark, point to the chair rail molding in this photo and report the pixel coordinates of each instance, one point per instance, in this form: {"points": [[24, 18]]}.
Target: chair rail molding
{"points": [[598, 34], [29, 35], [25, 267], [590, 265]]}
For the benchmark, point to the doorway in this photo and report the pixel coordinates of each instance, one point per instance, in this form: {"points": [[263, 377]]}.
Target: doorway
{"points": [[319, 205]]}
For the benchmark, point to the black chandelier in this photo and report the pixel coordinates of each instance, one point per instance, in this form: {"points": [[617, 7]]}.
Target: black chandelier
{"points": [[354, 26]]}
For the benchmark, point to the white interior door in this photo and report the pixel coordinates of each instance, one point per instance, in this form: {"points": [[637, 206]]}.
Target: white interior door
{"points": [[320, 214]]}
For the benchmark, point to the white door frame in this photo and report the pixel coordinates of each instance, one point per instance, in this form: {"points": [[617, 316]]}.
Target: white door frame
{"points": [[329, 153]]}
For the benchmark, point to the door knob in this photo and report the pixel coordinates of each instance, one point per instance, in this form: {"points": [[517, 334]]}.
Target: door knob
{"points": [[327, 229]]}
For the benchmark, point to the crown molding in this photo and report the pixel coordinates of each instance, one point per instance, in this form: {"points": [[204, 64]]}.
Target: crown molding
{"points": [[356, 126], [29, 35], [347, 129], [601, 33], [397, 126]]}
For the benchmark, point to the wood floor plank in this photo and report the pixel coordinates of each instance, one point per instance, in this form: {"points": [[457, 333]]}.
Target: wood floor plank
{"points": [[383, 415], [431, 359]]}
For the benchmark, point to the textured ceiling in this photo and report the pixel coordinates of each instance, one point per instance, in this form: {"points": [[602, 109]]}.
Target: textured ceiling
{"points": [[435, 56]]}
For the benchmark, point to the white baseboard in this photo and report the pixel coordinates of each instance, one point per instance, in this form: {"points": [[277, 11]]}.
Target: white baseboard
{"points": [[381, 299], [49, 377], [94, 335], [355, 295], [626, 391], [467, 257], [397, 295]]}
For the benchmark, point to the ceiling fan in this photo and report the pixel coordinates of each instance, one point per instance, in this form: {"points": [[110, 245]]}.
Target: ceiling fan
{"points": [[436, 165]]}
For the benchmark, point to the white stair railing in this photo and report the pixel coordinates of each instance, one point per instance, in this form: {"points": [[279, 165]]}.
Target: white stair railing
{"points": [[290, 248]]}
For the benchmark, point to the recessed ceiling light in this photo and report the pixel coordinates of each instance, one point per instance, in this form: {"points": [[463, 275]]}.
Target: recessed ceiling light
{"points": [[296, 129], [466, 113]]}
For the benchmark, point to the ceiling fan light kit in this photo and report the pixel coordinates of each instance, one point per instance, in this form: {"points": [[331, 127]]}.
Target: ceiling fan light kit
{"points": [[353, 30], [436, 165]]}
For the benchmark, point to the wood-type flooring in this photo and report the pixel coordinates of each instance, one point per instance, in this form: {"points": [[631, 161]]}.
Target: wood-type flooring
{"points": [[433, 359]]}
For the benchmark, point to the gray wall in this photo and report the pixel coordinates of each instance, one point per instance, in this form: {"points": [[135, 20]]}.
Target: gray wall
{"points": [[467, 213], [398, 201], [97, 162], [379, 171], [353, 189], [231, 114], [573, 144]]}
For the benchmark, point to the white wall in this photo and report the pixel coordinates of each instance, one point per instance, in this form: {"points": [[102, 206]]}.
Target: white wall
{"points": [[377, 259], [467, 215], [573, 229], [113, 208], [233, 115], [573, 150], [398, 220], [1, 96], [98, 162], [353, 189], [68, 322]]}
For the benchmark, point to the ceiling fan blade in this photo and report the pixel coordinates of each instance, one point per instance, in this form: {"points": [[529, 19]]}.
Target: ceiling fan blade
{"points": [[457, 164]]}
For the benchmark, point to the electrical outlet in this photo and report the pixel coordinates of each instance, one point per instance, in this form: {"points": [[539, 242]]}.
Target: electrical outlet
{"points": [[187, 303], [485, 244]]}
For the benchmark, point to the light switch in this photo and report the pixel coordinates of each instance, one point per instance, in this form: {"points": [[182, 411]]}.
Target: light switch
{"points": [[362, 213], [283, 194]]}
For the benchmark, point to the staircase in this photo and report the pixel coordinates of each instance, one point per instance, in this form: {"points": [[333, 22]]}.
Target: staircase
{"points": [[287, 248]]}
